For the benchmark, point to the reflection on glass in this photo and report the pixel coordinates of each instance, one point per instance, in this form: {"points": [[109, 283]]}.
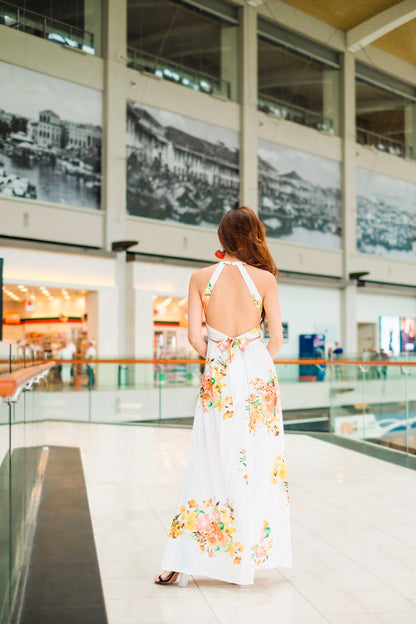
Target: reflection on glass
{"points": [[385, 120], [184, 45], [297, 88]]}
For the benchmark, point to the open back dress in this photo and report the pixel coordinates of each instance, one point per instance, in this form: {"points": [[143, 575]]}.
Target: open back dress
{"points": [[233, 512]]}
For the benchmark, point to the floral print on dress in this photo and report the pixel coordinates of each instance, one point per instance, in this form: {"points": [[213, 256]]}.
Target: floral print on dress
{"points": [[279, 473], [243, 465], [211, 525], [260, 551], [212, 385], [262, 405]]}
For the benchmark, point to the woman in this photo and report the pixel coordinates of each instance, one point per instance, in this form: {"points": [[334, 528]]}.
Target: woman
{"points": [[233, 512]]}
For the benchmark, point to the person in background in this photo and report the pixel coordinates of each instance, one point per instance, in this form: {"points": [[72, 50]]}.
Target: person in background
{"points": [[67, 353], [337, 352], [384, 356], [91, 354], [374, 372]]}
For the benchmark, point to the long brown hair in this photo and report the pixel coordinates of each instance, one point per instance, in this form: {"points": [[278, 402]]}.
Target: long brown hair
{"points": [[243, 235]]}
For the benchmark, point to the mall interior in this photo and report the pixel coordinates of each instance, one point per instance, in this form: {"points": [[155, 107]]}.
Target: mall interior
{"points": [[128, 128]]}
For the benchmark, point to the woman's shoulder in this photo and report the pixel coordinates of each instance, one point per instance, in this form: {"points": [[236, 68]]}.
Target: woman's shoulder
{"points": [[203, 274], [261, 274]]}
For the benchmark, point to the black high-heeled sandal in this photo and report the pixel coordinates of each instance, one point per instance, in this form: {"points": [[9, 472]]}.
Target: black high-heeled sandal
{"points": [[172, 578]]}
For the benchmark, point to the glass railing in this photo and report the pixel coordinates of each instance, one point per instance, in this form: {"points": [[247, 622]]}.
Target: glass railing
{"points": [[39, 25], [384, 144], [297, 114], [20, 463], [373, 402], [177, 73]]}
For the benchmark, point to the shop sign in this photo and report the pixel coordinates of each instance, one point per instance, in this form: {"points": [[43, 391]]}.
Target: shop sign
{"points": [[11, 317]]}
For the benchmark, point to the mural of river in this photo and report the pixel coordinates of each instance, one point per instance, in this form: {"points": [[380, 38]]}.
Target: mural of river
{"points": [[52, 184]]}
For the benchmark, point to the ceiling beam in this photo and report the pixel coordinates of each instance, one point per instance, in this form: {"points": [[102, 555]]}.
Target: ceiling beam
{"points": [[362, 35]]}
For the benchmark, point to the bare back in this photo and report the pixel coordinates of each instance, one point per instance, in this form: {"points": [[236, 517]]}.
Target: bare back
{"points": [[232, 300]]}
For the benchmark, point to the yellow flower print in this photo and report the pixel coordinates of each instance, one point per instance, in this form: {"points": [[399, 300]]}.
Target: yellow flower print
{"points": [[279, 473], [210, 524]]}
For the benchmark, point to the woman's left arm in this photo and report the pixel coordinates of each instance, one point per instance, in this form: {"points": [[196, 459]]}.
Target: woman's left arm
{"points": [[195, 311]]}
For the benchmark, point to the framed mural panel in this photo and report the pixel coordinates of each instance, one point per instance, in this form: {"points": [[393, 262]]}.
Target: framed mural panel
{"points": [[50, 139], [299, 196], [386, 216], [179, 169]]}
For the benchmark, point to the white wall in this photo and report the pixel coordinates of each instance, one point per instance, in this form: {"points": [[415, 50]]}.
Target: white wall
{"points": [[309, 309], [370, 306]]}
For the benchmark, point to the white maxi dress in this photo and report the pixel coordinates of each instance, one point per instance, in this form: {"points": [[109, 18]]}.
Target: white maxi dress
{"points": [[233, 513]]}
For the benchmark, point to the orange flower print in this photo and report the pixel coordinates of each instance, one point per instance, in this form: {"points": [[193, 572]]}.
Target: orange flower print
{"points": [[212, 393], [243, 465], [211, 525], [263, 405]]}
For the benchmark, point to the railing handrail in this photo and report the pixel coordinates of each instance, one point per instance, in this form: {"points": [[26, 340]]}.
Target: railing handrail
{"points": [[306, 361], [10, 384], [161, 59], [296, 107]]}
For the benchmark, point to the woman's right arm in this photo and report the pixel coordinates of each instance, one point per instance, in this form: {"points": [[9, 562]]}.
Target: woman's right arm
{"points": [[195, 311], [274, 320]]}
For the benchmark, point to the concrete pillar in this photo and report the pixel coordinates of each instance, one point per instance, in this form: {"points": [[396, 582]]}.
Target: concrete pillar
{"points": [[93, 22], [139, 328], [121, 281], [330, 97], [349, 203], [410, 129], [114, 120], [248, 100], [229, 56]]}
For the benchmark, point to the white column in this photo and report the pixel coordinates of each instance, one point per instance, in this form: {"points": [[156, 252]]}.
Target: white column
{"points": [[121, 281], [330, 97], [93, 22], [410, 129], [114, 135], [139, 327], [229, 56], [248, 100], [349, 203]]}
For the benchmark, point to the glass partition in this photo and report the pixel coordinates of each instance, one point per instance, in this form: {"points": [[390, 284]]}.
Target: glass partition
{"points": [[73, 24], [385, 113], [193, 44], [370, 401], [298, 80]]}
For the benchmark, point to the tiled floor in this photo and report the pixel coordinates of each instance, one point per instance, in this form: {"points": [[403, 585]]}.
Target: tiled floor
{"points": [[353, 525]]}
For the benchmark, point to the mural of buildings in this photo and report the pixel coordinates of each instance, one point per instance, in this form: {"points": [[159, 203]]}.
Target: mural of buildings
{"points": [[176, 171], [299, 196], [50, 139], [386, 216]]}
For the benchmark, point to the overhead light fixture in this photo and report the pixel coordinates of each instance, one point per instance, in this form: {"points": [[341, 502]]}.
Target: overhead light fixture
{"points": [[183, 301], [166, 301]]}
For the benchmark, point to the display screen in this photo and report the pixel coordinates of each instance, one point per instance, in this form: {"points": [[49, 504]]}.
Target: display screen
{"points": [[408, 335], [390, 334]]}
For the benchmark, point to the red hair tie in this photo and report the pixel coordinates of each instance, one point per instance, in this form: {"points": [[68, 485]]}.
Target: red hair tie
{"points": [[220, 254]]}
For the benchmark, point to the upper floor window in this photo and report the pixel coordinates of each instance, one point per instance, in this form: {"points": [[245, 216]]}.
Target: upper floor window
{"points": [[385, 113], [191, 43], [298, 80], [75, 24]]}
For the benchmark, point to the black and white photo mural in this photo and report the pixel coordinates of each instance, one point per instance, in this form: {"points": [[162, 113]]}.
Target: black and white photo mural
{"points": [[386, 216], [299, 196], [179, 169], [50, 139]]}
